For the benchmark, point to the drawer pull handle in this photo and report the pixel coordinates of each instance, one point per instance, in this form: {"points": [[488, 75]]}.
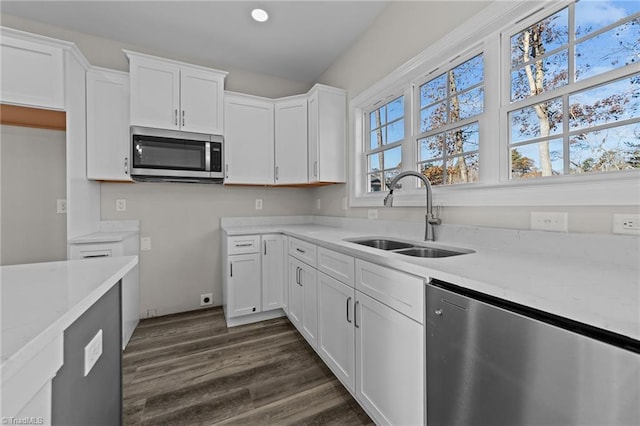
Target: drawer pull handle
{"points": [[300, 250], [244, 245]]}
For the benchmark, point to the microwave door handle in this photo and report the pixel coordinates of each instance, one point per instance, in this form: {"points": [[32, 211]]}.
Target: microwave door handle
{"points": [[207, 156]]}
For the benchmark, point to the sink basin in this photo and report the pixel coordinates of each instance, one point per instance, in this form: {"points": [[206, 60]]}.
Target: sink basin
{"points": [[430, 252], [383, 244], [409, 249]]}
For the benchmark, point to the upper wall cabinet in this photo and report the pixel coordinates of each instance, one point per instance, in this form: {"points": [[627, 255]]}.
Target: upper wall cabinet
{"points": [[291, 140], [248, 139], [32, 72], [327, 134], [108, 125], [176, 96]]}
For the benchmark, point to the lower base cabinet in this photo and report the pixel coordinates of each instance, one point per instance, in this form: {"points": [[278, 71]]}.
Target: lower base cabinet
{"points": [[303, 303]]}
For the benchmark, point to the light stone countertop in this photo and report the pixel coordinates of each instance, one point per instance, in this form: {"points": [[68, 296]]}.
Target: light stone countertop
{"points": [[580, 280], [40, 300]]}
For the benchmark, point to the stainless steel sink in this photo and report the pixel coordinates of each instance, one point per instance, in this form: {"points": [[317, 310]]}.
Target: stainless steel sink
{"points": [[410, 249], [383, 244]]}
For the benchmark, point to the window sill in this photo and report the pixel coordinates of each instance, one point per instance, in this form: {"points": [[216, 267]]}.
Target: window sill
{"points": [[598, 190]]}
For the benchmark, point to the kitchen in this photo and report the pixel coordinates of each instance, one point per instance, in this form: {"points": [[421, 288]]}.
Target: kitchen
{"points": [[182, 221]]}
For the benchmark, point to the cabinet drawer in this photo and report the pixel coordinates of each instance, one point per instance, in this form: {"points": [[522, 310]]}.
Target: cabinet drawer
{"points": [[400, 291], [336, 265], [303, 251], [243, 244]]}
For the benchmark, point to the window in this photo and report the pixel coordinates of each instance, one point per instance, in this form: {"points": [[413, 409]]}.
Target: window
{"points": [[448, 139], [574, 100], [384, 147]]}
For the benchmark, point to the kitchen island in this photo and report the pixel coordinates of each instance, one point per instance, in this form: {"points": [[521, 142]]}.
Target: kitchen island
{"points": [[40, 302]]}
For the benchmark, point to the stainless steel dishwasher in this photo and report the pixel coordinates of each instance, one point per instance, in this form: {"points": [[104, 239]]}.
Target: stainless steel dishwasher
{"points": [[493, 362]]}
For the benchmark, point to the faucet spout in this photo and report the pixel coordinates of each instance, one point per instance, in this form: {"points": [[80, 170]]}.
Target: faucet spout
{"points": [[429, 219]]}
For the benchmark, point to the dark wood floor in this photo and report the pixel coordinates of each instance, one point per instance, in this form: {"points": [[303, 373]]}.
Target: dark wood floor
{"points": [[190, 369]]}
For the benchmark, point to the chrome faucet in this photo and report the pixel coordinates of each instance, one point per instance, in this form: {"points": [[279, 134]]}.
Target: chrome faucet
{"points": [[429, 218]]}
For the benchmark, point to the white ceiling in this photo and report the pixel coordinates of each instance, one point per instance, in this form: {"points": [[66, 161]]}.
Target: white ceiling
{"points": [[299, 41]]}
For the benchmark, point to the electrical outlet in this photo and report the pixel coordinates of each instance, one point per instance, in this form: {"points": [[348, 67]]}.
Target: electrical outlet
{"points": [[152, 313], [61, 206], [626, 224], [318, 203], [145, 244], [258, 204], [92, 352], [206, 299], [372, 214], [121, 205], [550, 221]]}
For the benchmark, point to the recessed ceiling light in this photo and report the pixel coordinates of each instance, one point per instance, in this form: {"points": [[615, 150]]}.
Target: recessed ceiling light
{"points": [[259, 15]]}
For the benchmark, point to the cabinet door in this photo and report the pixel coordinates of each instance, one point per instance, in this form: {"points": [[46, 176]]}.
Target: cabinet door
{"points": [[309, 282], [108, 125], [248, 123], [327, 134], [155, 93], [384, 337], [336, 342], [272, 272], [296, 293], [291, 141], [201, 105], [244, 285], [32, 73]]}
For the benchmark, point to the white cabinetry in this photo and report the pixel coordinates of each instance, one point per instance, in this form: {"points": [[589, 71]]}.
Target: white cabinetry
{"points": [[273, 271], [291, 140], [303, 299], [108, 125], [173, 95], [327, 134], [32, 72], [248, 139], [253, 278]]}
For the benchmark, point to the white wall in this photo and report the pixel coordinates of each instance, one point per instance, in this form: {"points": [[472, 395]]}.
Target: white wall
{"points": [[32, 169], [403, 30]]}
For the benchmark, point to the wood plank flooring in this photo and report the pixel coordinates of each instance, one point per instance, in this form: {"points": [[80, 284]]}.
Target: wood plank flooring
{"points": [[190, 369]]}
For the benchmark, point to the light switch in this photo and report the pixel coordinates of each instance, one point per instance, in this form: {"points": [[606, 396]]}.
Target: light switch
{"points": [[145, 244]]}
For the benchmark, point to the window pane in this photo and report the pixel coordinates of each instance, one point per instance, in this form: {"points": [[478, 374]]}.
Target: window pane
{"points": [[535, 160], [462, 169], [606, 150], [614, 49], [374, 162], [613, 102], [467, 104], [431, 147], [392, 158], [378, 118], [395, 109], [433, 90], [553, 74], [434, 171], [467, 74], [544, 36], [433, 117], [395, 131], [463, 139], [593, 15], [536, 121], [374, 182], [378, 138]]}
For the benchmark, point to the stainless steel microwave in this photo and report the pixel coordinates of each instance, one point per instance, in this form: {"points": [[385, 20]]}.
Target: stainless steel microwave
{"points": [[176, 156]]}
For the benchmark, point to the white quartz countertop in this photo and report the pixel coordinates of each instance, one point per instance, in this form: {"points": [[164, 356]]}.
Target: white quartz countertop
{"points": [[40, 300], [102, 237], [589, 291]]}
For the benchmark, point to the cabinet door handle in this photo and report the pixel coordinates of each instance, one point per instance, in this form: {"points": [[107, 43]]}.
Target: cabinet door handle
{"points": [[300, 250], [231, 269], [277, 172], [126, 165], [182, 118], [348, 300], [175, 112], [355, 314], [264, 243], [315, 168], [226, 171]]}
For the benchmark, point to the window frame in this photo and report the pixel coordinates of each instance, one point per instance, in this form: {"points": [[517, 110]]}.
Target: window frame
{"points": [[485, 33]]}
